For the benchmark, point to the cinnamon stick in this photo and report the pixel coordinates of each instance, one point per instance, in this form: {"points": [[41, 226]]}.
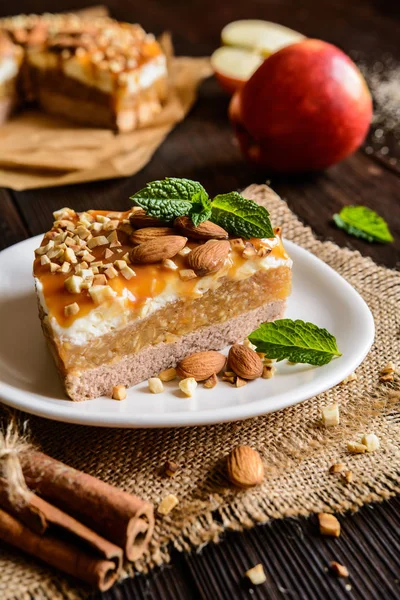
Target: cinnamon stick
{"points": [[67, 557], [39, 515], [120, 517]]}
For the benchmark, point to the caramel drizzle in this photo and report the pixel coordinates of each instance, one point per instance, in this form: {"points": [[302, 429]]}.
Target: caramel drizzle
{"points": [[150, 281]]}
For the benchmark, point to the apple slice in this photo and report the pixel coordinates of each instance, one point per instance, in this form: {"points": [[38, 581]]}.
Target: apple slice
{"points": [[260, 36], [234, 66]]}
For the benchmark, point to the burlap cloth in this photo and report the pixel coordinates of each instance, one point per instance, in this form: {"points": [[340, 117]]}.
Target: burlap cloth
{"points": [[297, 451]]}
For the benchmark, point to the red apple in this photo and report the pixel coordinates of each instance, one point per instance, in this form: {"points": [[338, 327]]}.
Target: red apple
{"points": [[306, 108], [234, 66]]}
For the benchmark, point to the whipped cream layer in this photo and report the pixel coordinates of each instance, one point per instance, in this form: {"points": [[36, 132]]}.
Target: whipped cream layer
{"points": [[149, 289]]}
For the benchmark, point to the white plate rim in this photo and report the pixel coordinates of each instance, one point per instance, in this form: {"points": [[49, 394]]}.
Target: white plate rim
{"points": [[22, 400]]}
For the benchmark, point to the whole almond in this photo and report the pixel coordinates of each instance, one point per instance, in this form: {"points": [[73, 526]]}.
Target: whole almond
{"points": [[205, 231], [139, 218], [245, 468], [245, 362], [209, 257], [148, 233], [201, 365], [157, 249]]}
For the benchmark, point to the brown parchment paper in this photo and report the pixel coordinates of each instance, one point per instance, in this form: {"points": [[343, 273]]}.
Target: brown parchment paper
{"points": [[38, 150]]}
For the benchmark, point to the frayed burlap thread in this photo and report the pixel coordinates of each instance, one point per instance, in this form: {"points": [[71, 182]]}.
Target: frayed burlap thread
{"points": [[297, 451]]}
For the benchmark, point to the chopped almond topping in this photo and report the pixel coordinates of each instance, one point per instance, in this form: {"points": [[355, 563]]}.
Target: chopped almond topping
{"points": [[101, 293], [167, 504], [108, 253], [44, 249], [168, 375], [349, 378], [240, 382], [248, 344], [185, 251], [63, 213], [111, 225], [330, 415], [155, 385], [128, 273], [54, 267], [70, 256], [96, 227], [111, 272], [211, 382], [99, 240], [113, 237], [55, 253], [249, 251], [348, 476], [387, 373], [120, 264], [329, 525], [69, 241], [256, 575], [71, 309], [268, 372], [73, 284], [169, 264], [188, 386], [237, 244], [102, 219], [44, 260], [339, 569], [83, 232], [171, 468], [187, 274], [99, 280], [119, 392], [371, 442], [356, 448], [263, 251], [337, 468], [65, 267]]}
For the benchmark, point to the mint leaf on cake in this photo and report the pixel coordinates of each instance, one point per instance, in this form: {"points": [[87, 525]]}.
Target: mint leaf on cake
{"points": [[201, 208], [296, 341], [172, 197], [364, 223], [241, 216]]}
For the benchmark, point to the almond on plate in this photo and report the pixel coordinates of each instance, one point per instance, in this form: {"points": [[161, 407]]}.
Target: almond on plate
{"points": [[201, 365], [245, 362]]}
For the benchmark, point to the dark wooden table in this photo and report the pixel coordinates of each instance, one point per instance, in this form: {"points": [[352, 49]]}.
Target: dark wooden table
{"points": [[295, 557]]}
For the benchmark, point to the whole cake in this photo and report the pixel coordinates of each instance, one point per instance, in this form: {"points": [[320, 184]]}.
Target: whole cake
{"points": [[96, 72], [124, 295]]}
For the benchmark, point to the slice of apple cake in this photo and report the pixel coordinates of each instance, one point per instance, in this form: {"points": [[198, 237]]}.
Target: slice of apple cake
{"points": [[124, 295]]}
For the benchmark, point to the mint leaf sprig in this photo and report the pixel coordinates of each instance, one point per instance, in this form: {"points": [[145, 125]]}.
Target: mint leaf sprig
{"points": [[364, 223], [240, 216], [297, 341], [172, 197]]}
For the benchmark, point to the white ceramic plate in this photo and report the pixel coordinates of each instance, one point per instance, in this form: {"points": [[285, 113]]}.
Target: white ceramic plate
{"points": [[29, 381]]}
